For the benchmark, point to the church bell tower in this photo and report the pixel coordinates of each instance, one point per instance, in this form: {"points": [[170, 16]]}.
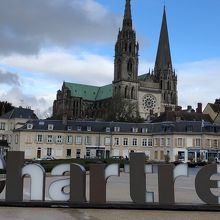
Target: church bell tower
{"points": [[125, 84]]}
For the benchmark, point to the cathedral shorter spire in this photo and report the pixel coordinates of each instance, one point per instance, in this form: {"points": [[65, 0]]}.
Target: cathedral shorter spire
{"points": [[127, 21], [163, 58]]}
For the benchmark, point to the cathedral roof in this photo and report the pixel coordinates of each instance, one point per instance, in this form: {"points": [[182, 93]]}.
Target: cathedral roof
{"points": [[88, 92]]}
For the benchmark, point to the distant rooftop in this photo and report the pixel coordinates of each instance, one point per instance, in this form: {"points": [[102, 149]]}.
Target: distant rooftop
{"points": [[182, 116], [20, 113]]}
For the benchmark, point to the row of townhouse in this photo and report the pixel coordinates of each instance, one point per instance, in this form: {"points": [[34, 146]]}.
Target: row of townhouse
{"points": [[180, 140]]}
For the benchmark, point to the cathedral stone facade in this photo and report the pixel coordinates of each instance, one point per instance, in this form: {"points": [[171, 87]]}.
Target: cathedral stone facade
{"points": [[151, 93]]}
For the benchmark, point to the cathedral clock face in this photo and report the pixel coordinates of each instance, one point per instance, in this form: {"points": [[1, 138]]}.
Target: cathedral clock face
{"points": [[149, 102]]}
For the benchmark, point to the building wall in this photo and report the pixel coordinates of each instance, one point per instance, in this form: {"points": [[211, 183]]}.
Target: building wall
{"points": [[87, 144]]}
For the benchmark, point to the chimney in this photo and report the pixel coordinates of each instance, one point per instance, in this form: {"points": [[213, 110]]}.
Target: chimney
{"points": [[178, 108], [199, 108], [189, 108]]}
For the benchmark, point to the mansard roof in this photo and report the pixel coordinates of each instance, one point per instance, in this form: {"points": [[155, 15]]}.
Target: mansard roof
{"points": [[122, 127], [20, 113], [88, 92]]}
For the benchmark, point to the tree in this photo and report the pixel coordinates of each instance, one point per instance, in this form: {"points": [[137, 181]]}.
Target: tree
{"points": [[122, 110], [5, 107]]}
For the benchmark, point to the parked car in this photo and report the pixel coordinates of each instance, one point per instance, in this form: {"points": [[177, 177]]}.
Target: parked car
{"points": [[117, 157], [48, 158]]}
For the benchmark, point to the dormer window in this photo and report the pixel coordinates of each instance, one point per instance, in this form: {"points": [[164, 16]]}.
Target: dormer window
{"points": [[89, 128], [107, 129], [116, 129], [78, 128], [134, 130], [69, 128], [41, 122], [144, 130], [50, 127], [29, 126]]}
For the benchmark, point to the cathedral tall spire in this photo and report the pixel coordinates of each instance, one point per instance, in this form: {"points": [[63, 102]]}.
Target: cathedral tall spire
{"points": [[163, 59], [127, 21]]}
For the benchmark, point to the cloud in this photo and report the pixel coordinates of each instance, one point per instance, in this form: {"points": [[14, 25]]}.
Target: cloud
{"points": [[83, 67], [40, 105], [29, 26], [9, 78], [198, 82]]}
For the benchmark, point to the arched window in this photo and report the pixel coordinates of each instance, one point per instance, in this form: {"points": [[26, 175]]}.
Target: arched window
{"points": [[168, 85], [130, 47], [118, 69], [126, 91], [126, 47], [129, 66], [133, 93]]}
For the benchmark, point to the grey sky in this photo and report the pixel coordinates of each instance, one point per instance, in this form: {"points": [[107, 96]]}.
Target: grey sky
{"points": [[26, 26], [9, 78]]}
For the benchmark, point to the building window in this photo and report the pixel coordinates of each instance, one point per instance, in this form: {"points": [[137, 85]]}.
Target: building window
{"points": [[78, 152], [180, 142], [49, 138], [16, 139], [162, 141], [107, 141], [157, 142], [69, 128], [208, 143], [59, 139], [69, 139], [49, 151], [161, 155], [88, 140], [168, 143], [50, 127], [134, 142], [78, 140], [98, 140], [89, 128], [144, 130], [125, 141], [116, 129], [150, 142], [78, 128], [29, 126], [39, 138], [144, 142], [215, 143], [68, 152], [198, 142], [156, 155], [107, 129], [134, 130], [116, 142], [2, 126]]}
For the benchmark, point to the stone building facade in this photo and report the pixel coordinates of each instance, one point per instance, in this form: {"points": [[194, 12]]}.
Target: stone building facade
{"points": [[181, 140], [150, 93]]}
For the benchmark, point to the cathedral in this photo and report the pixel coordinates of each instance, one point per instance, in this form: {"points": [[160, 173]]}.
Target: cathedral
{"points": [[151, 93]]}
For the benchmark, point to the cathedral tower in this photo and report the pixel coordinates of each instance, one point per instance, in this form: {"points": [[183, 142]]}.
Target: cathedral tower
{"points": [[163, 70], [125, 84]]}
